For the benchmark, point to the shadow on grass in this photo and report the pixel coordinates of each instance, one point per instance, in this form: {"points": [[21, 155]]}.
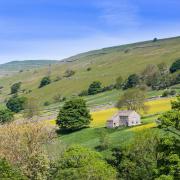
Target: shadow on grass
{"points": [[69, 131]]}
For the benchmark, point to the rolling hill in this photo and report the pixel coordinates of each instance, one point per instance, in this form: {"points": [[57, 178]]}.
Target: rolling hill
{"points": [[106, 65], [16, 66]]}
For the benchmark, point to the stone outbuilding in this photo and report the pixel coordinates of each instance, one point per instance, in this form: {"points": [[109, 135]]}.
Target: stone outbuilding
{"points": [[124, 118]]}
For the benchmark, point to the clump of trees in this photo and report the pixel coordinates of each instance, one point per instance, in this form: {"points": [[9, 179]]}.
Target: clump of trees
{"points": [[45, 81], [15, 88], [16, 103], [74, 115], [95, 88]]}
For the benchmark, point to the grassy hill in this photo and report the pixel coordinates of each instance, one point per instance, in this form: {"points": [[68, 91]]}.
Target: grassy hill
{"points": [[106, 65], [16, 66]]}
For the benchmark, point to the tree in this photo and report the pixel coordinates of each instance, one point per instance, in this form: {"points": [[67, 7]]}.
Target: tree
{"points": [[119, 82], [22, 144], [45, 81], [15, 88], [31, 108], [9, 172], [74, 115], [133, 99], [175, 66], [6, 116], [94, 88], [137, 161], [171, 118], [81, 163], [132, 81], [16, 104]]}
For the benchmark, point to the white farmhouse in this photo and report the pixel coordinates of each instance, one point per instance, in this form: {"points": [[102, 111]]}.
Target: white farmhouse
{"points": [[124, 118]]}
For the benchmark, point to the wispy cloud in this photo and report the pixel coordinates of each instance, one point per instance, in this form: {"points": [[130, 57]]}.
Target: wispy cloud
{"points": [[119, 12]]}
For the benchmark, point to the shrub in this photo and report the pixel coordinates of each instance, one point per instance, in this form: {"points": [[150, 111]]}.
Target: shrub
{"points": [[83, 93], [16, 104], [6, 116], [47, 103], [15, 88], [89, 69], [165, 93], [45, 81], [69, 73], [74, 115], [9, 172], [175, 66], [94, 88]]}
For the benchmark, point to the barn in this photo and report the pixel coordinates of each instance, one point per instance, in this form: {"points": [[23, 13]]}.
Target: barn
{"points": [[124, 118]]}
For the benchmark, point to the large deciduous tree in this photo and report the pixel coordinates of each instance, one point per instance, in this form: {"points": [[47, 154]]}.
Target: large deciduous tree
{"points": [[133, 99]]}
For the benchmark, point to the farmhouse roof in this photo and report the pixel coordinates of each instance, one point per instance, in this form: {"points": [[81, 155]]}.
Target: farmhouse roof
{"points": [[125, 112]]}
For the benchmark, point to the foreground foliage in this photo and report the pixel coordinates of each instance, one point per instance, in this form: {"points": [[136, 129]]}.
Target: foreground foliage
{"points": [[81, 163]]}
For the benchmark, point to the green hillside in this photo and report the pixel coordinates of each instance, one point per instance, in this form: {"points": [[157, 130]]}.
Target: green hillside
{"points": [[106, 65], [15, 66]]}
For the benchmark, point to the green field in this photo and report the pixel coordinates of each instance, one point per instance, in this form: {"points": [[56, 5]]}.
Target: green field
{"points": [[106, 64]]}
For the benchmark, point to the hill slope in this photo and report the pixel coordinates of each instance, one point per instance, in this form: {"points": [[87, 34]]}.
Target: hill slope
{"points": [[106, 65], [15, 66]]}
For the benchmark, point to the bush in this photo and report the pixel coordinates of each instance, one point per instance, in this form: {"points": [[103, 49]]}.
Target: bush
{"points": [[74, 115], [9, 172], [165, 93], [47, 103], [45, 81], [175, 66], [89, 69], [108, 88], [15, 88], [83, 93], [16, 104], [69, 73], [172, 92], [94, 88], [6, 116]]}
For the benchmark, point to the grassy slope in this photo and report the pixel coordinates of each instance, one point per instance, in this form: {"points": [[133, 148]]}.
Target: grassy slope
{"points": [[107, 64]]}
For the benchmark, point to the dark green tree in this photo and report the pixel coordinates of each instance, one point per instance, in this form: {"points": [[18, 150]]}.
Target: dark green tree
{"points": [[15, 88], [94, 88], [45, 81], [175, 66], [74, 115], [7, 172], [81, 163], [16, 104], [6, 116], [132, 81]]}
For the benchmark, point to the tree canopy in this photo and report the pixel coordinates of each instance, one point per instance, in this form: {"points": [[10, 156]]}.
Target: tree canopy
{"points": [[74, 115], [6, 116], [81, 163], [94, 88]]}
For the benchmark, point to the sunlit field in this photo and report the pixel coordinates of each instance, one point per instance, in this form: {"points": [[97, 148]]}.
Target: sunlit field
{"points": [[154, 107]]}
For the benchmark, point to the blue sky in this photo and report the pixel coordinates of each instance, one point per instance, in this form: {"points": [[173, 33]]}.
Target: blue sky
{"points": [[55, 29]]}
